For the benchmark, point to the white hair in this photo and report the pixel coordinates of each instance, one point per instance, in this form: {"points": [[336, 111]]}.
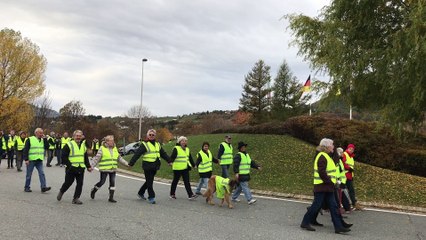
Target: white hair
{"points": [[77, 131], [181, 138], [151, 131], [109, 137], [339, 150], [324, 144], [38, 130]]}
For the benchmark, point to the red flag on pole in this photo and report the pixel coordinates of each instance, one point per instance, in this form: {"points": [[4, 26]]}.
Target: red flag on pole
{"points": [[307, 86]]}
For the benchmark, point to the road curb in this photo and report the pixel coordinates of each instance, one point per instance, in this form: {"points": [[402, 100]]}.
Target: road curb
{"points": [[306, 198]]}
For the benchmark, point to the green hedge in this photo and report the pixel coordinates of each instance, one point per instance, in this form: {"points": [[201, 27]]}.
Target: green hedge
{"points": [[375, 145]]}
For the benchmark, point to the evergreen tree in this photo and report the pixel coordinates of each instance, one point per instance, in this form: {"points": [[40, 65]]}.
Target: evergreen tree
{"points": [[287, 100], [256, 90]]}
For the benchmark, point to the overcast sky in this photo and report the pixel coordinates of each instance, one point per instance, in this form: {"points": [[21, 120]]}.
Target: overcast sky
{"points": [[198, 51]]}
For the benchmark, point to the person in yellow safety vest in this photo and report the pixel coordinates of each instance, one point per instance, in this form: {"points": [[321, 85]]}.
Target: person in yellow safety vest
{"points": [[107, 158], [50, 151], [224, 155], [65, 139], [10, 149], [349, 164], [181, 162], [3, 144], [33, 155], [204, 164], [58, 148], [19, 148], [151, 151], [242, 165], [95, 146], [341, 181], [324, 184], [74, 156]]}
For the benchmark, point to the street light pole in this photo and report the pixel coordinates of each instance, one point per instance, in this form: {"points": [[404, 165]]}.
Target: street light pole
{"points": [[140, 107]]}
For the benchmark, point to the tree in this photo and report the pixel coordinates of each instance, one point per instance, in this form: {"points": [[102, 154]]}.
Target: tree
{"points": [[22, 68], [256, 91], [70, 115], [287, 100], [375, 48], [164, 135], [42, 111], [133, 114]]}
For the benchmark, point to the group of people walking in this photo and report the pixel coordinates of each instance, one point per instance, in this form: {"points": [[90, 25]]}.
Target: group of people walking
{"points": [[333, 169]]}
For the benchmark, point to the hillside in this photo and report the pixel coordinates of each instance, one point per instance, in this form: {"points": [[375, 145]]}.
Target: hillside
{"points": [[287, 168]]}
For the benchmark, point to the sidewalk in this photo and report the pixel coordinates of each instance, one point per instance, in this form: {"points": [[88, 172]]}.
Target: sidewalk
{"points": [[306, 198]]}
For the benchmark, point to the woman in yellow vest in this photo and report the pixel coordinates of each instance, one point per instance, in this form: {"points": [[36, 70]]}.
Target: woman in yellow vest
{"points": [[19, 147], [10, 148], [74, 156], [242, 166], [182, 162], [204, 164], [151, 151], [324, 183], [108, 158]]}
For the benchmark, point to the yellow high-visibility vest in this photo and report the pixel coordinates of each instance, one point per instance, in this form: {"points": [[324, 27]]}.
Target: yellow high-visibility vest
{"points": [[152, 152], [245, 163], [20, 144], [226, 158], [182, 159], [331, 169], [76, 155], [206, 164], [36, 151], [108, 162]]}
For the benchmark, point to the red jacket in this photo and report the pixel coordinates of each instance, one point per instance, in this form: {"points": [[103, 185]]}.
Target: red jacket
{"points": [[348, 174]]}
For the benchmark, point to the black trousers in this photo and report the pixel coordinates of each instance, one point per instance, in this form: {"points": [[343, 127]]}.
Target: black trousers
{"points": [[70, 175], [149, 182], [49, 156], [104, 176], [176, 177], [10, 156]]}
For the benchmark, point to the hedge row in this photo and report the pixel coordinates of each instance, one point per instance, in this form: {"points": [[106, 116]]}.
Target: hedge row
{"points": [[374, 145]]}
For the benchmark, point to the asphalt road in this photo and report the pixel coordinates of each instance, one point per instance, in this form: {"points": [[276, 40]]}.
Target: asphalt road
{"points": [[39, 215]]}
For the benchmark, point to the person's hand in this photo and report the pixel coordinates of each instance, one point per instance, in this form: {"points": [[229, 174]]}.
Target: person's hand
{"points": [[90, 169], [27, 162], [351, 170], [170, 163], [259, 168], [237, 176]]}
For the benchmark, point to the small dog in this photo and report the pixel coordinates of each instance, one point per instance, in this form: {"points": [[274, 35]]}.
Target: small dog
{"points": [[223, 188]]}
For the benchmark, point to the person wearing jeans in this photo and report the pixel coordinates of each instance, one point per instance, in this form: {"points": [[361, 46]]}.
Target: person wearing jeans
{"points": [[242, 165], [225, 156], [325, 178], [204, 164], [181, 161], [33, 156], [151, 151]]}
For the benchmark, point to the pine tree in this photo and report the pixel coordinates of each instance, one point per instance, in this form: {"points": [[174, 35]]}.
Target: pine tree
{"points": [[287, 100], [256, 90]]}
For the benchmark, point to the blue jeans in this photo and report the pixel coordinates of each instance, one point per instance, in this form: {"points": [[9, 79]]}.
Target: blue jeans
{"points": [[225, 173], [202, 183], [312, 212], [39, 165], [244, 187]]}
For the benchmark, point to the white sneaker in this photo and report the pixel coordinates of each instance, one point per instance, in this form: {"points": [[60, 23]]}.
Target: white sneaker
{"points": [[236, 200], [252, 201]]}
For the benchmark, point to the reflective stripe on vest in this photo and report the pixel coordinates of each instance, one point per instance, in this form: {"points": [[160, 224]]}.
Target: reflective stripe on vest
{"points": [[244, 164], [330, 169], [51, 146], [350, 161], [182, 159], [36, 151], [222, 186], [20, 144], [11, 141], [76, 156], [108, 162], [226, 158], [341, 174], [64, 141], [206, 162], [152, 152]]}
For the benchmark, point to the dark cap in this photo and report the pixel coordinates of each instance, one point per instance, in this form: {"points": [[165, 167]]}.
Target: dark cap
{"points": [[241, 144]]}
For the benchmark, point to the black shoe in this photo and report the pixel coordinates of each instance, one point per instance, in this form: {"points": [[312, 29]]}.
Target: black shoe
{"points": [[57, 164], [27, 190], [92, 193], [19, 170], [343, 230], [77, 201], [307, 227], [59, 197], [45, 189], [318, 224], [347, 225], [112, 200], [48, 165]]}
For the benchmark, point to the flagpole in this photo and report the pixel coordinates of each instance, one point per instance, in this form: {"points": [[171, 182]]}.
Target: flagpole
{"points": [[350, 103]]}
